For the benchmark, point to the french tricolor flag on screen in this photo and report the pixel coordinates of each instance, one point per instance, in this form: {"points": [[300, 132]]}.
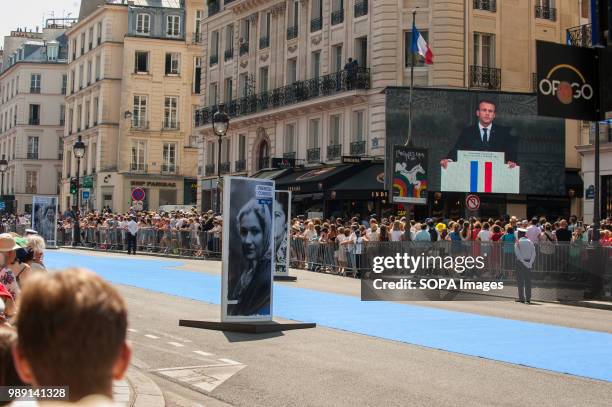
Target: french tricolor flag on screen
{"points": [[420, 46], [481, 176]]}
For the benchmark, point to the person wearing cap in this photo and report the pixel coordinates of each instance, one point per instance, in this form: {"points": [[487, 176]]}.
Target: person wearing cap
{"points": [[7, 256], [525, 253]]}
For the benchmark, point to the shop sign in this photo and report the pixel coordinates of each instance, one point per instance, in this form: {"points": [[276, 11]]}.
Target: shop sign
{"points": [[379, 194], [295, 188], [153, 184], [283, 163], [351, 159]]}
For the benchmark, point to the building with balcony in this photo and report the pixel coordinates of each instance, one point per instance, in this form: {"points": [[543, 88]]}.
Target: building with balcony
{"points": [[32, 88], [289, 93], [134, 82]]}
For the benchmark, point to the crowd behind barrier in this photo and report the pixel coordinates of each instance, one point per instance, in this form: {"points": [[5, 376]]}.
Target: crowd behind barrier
{"points": [[565, 251]]}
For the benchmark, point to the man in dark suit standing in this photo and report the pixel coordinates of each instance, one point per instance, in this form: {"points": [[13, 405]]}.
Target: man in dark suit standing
{"points": [[485, 136]]}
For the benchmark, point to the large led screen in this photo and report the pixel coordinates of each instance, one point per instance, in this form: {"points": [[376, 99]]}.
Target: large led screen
{"points": [[480, 142]]}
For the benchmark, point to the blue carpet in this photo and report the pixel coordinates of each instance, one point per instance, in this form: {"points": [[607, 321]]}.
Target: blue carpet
{"points": [[565, 350]]}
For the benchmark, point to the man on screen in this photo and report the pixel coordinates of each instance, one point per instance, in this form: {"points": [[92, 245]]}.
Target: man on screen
{"points": [[485, 136]]}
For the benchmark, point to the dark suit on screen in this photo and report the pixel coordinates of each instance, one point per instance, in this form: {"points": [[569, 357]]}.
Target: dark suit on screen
{"points": [[255, 298], [500, 140]]}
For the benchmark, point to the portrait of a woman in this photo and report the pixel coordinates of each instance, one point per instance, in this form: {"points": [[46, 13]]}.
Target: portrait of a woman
{"points": [[249, 292]]}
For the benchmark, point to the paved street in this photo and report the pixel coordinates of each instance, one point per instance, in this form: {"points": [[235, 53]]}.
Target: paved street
{"points": [[329, 366]]}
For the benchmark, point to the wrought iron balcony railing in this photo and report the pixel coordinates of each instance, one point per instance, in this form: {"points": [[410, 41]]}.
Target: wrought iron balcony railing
{"points": [[139, 167], [35, 90], [361, 8], [198, 38], [139, 124], [488, 5], [225, 167], [294, 93], [289, 154], [32, 155], [209, 169], [334, 151], [485, 77], [244, 48], [316, 24], [35, 121], [337, 17], [240, 165], [358, 147], [170, 125], [313, 155], [580, 36], [229, 54], [292, 32], [168, 169], [546, 13]]}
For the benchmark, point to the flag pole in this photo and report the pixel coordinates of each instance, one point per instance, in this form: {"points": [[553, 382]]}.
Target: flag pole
{"points": [[413, 59]]}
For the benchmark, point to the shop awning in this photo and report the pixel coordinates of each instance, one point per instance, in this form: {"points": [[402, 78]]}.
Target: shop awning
{"points": [[310, 180], [371, 178], [269, 174], [368, 183]]}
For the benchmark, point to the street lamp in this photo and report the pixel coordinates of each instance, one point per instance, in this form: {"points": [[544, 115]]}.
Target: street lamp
{"points": [[79, 152], [3, 167], [220, 123]]}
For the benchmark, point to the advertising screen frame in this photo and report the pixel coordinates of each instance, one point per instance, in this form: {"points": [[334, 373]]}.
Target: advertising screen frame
{"points": [[233, 203]]}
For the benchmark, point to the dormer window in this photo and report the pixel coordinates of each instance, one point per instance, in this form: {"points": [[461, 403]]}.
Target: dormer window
{"points": [[173, 26], [143, 24], [52, 51]]}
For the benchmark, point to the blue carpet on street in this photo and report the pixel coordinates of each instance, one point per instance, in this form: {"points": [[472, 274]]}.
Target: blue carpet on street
{"points": [[560, 349]]}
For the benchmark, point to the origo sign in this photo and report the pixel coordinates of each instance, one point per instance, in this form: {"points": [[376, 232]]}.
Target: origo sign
{"points": [[568, 84]]}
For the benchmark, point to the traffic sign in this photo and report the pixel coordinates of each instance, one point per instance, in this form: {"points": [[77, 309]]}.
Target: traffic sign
{"points": [[85, 195], [138, 194], [472, 202]]}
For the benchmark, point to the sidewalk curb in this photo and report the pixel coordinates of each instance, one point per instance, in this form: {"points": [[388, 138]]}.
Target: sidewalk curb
{"points": [[146, 392], [589, 304]]}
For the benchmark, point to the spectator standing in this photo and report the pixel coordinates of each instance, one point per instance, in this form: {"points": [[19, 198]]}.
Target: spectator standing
{"points": [[534, 231], [72, 331], [423, 235], [132, 231], [396, 232], [563, 234], [524, 249]]}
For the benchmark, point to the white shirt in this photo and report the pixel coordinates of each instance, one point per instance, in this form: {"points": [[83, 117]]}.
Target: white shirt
{"points": [[132, 227], [525, 252], [480, 127], [396, 235], [484, 235]]}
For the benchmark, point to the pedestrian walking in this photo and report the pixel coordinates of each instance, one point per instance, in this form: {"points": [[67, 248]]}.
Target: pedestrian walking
{"points": [[524, 249]]}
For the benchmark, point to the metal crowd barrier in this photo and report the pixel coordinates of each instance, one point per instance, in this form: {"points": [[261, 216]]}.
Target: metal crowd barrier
{"points": [[559, 263], [183, 243], [563, 266]]}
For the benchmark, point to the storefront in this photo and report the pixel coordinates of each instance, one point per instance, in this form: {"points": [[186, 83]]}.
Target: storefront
{"points": [[343, 190], [158, 192]]}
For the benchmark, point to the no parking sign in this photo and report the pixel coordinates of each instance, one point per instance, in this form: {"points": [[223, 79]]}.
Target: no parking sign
{"points": [[138, 194], [472, 202]]}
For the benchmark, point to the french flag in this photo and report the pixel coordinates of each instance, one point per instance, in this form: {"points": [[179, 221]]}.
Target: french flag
{"points": [[481, 179], [420, 46]]}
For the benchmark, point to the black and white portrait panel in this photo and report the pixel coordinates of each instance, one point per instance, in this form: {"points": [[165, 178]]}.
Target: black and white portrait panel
{"points": [[249, 236], [282, 218], [44, 217]]}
